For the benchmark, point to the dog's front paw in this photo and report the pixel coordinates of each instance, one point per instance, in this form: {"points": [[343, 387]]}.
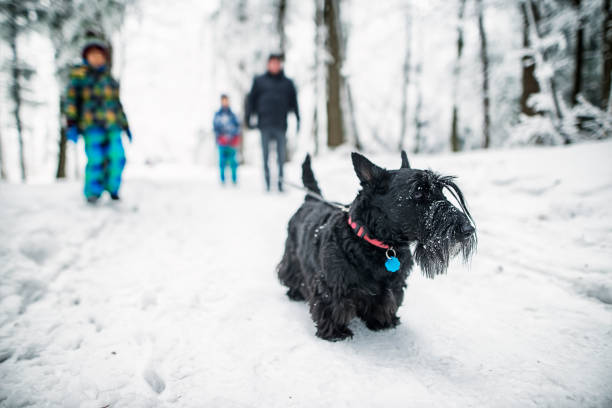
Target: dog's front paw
{"points": [[375, 325], [335, 334], [295, 294]]}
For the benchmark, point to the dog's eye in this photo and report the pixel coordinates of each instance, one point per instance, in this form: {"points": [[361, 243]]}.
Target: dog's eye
{"points": [[418, 193]]}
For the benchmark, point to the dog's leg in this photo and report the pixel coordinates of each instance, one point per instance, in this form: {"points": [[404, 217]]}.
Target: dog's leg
{"points": [[290, 274], [380, 312], [331, 314], [331, 319]]}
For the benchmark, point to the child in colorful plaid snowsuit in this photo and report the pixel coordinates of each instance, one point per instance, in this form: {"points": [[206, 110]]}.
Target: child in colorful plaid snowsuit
{"points": [[227, 135], [93, 109]]}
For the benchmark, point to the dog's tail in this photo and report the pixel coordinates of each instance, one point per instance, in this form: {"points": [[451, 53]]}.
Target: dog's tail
{"points": [[308, 177]]}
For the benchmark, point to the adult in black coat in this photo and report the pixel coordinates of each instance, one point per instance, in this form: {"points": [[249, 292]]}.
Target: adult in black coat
{"points": [[271, 98]]}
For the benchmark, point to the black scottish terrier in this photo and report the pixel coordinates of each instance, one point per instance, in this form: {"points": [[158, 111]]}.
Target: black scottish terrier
{"points": [[354, 263]]}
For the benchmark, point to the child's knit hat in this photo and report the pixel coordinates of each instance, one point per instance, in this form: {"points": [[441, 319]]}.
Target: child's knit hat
{"points": [[93, 41]]}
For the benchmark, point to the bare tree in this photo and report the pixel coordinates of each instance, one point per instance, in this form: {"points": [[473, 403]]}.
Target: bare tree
{"points": [[530, 84], [241, 84], [455, 138], [18, 16], [335, 117], [406, 77], [484, 58], [281, 17], [547, 84], [281, 14], [348, 107], [579, 53], [606, 49], [61, 154], [319, 26], [64, 11], [15, 88]]}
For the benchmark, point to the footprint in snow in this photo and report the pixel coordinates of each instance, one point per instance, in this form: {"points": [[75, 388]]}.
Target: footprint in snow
{"points": [[38, 246], [538, 190], [92, 320], [504, 182], [31, 290], [156, 383], [5, 355], [31, 352]]}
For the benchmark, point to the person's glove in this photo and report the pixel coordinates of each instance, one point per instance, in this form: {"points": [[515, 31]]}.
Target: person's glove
{"points": [[128, 133], [72, 134]]}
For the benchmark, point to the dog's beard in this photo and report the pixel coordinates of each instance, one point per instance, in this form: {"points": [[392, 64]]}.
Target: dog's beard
{"points": [[440, 244]]}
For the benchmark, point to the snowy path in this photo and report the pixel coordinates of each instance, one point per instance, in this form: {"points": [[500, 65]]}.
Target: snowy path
{"points": [[170, 299]]}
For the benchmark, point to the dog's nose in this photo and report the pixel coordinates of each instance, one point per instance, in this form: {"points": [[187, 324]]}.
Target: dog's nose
{"points": [[467, 229]]}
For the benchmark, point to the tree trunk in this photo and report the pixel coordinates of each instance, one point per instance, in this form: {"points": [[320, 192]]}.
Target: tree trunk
{"points": [[61, 157], [579, 55], [317, 72], [455, 139], [529, 82], [243, 18], [62, 141], [547, 85], [486, 102], [335, 118], [606, 53], [281, 13], [15, 90], [406, 79], [550, 86]]}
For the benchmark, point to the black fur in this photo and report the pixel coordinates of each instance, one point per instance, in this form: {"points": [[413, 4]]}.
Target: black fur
{"points": [[343, 276]]}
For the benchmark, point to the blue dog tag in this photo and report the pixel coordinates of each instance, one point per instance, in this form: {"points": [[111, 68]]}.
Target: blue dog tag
{"points": [[392, 264]]}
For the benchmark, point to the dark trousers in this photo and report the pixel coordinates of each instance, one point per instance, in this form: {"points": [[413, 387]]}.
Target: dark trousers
{"points": [[277, 135]]}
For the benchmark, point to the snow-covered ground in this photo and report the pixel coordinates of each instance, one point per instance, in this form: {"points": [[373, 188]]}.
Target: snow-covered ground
{"points": [[170, 297]]}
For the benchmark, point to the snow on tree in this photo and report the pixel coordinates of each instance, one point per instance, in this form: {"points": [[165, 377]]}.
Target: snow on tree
{"points": [[69, 21], [377, 76], [18, 17]]}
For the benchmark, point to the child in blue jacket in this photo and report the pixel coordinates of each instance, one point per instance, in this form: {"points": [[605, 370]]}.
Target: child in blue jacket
{"points": [[227, 135]]}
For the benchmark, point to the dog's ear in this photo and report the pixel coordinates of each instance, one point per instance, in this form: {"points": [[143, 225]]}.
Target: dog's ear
{"points": [[367, 171], [405, 162]]}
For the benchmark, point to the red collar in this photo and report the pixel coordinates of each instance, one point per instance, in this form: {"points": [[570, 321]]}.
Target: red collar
{"points": [[361, 234]]}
